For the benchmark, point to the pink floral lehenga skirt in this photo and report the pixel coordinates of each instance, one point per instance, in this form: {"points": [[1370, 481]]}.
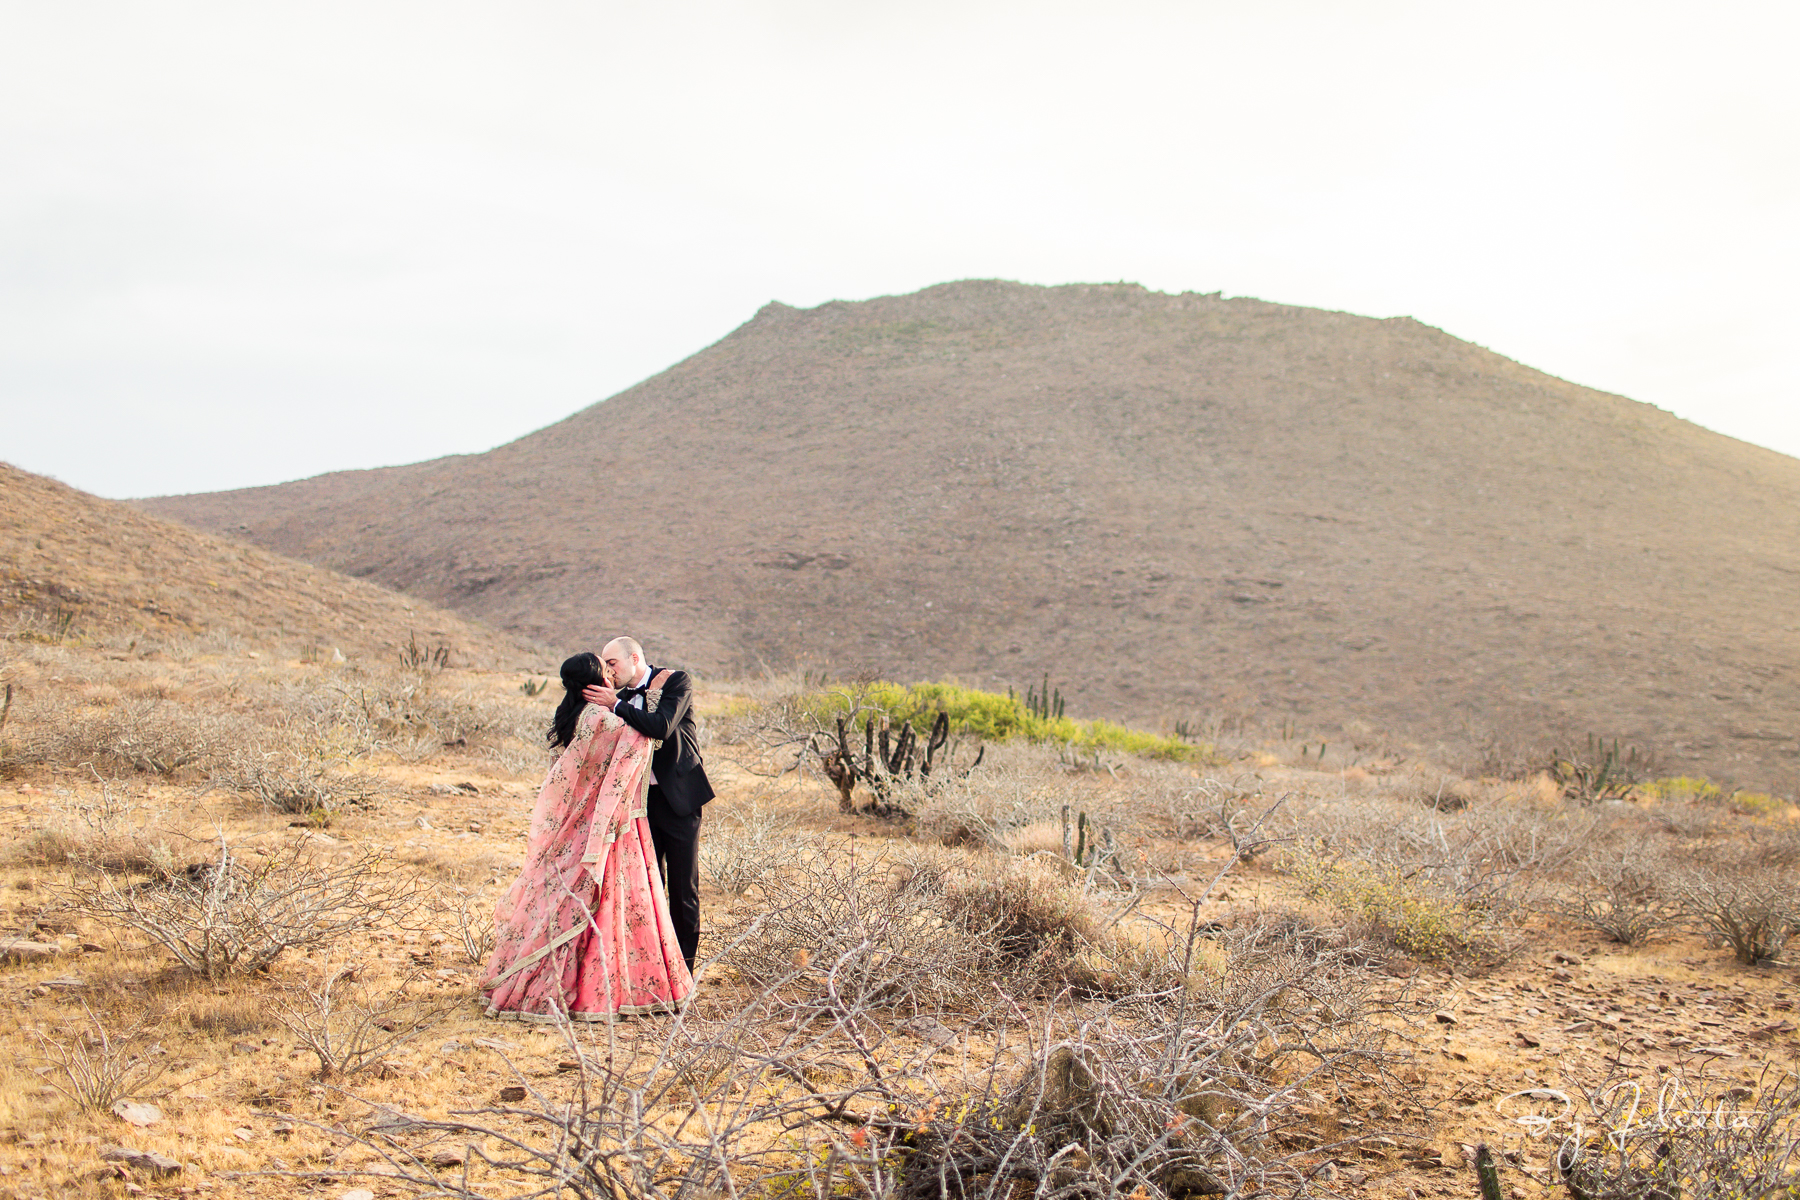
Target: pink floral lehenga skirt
{"points": [[585, 929]]}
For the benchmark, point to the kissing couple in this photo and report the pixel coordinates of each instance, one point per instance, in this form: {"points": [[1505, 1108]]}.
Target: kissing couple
{"points": [[604, 919]]}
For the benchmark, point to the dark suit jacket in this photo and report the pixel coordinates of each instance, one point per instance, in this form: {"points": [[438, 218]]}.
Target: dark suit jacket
{"points": [[680, 771]]}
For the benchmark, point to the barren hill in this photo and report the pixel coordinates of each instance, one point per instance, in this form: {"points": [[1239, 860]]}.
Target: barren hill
{"points": [[72, 564], [1177, 506]]}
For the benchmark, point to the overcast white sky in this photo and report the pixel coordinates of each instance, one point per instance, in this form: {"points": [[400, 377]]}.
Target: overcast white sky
{"points": [[243, 243]]}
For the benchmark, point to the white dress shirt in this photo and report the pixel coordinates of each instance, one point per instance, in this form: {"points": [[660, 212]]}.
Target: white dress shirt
{"points": [[637, 701]]}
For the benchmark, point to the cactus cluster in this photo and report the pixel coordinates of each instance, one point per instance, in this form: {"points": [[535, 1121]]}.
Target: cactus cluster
{"points": [[1601, 773], [1086, 844], [1041, 702]]}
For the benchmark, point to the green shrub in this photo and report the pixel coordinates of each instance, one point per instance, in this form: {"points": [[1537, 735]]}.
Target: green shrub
{"points": [[993, 717], [1757, 804], [1692, 790], [1680, 787]]}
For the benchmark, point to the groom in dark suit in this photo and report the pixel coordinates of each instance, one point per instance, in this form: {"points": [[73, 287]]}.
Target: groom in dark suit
{"points": [[678, 783]]}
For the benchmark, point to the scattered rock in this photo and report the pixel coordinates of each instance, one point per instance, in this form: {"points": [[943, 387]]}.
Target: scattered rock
{"points": [[357, 1193], [1566, 956], [567, 1065], [1444, 1017], [930, 1029], [450, 1157], [143, 1160], [245, 1048], [391, 1122], [244, 1133], [137, 1114], [512, 1095], [1525, 1039], [19, 950], [496, 1044], [1579, 1027], [337, 656], [451, 1047], [421, 823], [92, 948], [1562, 976], [66, 982]]}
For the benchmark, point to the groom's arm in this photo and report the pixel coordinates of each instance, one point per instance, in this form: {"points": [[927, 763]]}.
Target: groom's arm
{"points": [[662, 721]]}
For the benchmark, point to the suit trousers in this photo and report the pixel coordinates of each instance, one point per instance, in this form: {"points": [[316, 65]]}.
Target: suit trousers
{"points": [[677, 841]]}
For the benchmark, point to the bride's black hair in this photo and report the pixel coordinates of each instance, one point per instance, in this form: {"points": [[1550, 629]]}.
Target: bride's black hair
{"points": [[578, 671]]}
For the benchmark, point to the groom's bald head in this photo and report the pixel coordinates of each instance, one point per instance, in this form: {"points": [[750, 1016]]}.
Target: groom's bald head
{"points": [[624, 660]]}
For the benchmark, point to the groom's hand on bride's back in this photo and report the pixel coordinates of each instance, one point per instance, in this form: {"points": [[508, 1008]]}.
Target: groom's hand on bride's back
{"points": [[605, 697]]}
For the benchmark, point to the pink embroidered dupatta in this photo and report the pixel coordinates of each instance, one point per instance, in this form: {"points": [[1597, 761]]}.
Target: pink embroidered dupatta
{"points": [[585, 929]]}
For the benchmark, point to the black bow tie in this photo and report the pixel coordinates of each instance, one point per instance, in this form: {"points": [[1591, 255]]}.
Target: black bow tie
{"points": [[627, 693]]}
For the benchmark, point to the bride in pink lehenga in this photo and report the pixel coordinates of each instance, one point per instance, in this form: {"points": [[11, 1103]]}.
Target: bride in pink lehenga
{"points": [[585, 929]]}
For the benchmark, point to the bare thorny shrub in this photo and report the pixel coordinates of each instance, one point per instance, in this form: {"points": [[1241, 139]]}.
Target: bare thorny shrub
{"points": [[101, 716], [746, 843], [927, 932], [110, 831], [1437, 884], [239, 913], [294, 740], [95, 1067], [1487, 853], [151, 736], [1679, 1135], [1020, 785], [1210, 807], [810, 1089], [298, 782], [771, 729], [1622, 896], [348, 1025], [1750, 907], [467, 918]]}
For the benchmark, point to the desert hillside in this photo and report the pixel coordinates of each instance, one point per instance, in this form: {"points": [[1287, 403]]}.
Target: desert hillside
{"points": [[75, 566], [1179, 507]]}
